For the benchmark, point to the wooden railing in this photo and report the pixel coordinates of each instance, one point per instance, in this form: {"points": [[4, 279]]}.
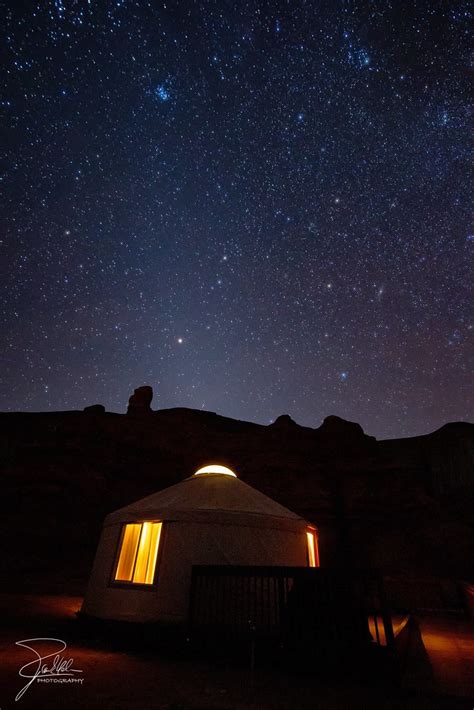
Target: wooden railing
{"points": [[296, 605]]}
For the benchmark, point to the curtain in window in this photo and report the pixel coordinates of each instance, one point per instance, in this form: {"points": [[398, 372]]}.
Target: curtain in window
{"points": [[138, 553], [313, 560]]}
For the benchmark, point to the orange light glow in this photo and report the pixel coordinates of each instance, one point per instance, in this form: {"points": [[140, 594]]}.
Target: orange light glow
{"points": [[128, 552], [215, 468], [313, 557], [138, 553]]}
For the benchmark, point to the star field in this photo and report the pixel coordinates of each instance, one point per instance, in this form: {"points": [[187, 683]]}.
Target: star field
{"points": [[256, 208]]}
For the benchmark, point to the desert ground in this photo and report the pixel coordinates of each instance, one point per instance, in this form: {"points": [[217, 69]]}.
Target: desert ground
{"points": [[120, 678]]}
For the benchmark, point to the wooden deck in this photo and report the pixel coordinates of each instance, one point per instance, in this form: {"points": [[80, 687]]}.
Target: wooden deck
{"points": [[297, 606]]}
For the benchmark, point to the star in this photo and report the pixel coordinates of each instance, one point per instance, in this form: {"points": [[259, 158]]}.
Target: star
{"points": [[162, 93], [290, 186]]}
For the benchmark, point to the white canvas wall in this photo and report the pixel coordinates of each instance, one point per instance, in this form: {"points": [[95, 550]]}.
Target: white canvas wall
{"points": [[185, 544]]}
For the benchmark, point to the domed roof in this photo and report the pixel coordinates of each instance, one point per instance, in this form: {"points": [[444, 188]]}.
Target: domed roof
{"points": [[208, 497], [214, 468]]}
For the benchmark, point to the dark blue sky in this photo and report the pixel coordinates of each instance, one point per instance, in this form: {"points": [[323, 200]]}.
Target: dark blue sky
{"points": [[256, 208]]}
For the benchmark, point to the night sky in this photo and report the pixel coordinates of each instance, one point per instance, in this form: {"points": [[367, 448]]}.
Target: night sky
{"points": [[257, 208]]}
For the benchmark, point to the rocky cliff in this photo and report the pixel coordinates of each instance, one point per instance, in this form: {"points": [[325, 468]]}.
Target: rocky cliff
{"points": [[404, 506]]}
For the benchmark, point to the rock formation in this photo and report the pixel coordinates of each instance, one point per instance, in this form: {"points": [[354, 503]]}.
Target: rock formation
{"points": [[284, 421], [404, 506], [140, 401], [94, 409]]}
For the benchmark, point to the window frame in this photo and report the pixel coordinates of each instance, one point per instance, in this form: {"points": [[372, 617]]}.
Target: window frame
{"points": [[124, 584]]}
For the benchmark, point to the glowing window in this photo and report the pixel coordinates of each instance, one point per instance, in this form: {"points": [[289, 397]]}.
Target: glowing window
{"points": [[313, 558], [138, 552], [215, 468]]}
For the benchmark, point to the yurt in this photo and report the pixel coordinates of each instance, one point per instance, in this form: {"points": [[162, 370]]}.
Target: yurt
{"points": [[142, 569]]}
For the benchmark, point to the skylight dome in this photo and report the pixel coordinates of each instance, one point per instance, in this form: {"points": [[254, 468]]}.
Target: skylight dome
{"points": [[214, 468]]}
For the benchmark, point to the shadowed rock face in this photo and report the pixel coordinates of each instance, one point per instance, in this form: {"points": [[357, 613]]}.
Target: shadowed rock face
{"points": [[94, 409], [404, 506], [140, 401], [335, 426], [284, 421]]}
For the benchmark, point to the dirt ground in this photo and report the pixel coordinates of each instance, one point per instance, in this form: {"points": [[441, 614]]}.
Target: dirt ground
{"points": [[450, 646], [114, 679]]}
